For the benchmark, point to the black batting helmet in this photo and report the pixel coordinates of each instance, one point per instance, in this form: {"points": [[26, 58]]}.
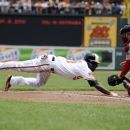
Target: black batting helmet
{"points": [[91, 57], [92, 60]]}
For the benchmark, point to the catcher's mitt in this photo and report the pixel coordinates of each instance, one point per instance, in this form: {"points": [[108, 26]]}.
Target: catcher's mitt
{"points": [[114, 80]]}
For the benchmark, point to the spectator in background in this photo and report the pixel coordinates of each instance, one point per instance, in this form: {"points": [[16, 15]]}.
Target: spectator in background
{"points": [[61, 6], [52, 7], [45, 6], [98, 8], [16, 7], [117, 9], [101, 7], [67, 9], [89, 8], [38, 7], [26, 6], [92, 10], [107, 7], [4, 6], [123, 8]]}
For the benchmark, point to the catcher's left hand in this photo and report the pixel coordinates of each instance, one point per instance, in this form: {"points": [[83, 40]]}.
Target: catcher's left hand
{"points": [[114, 80]]}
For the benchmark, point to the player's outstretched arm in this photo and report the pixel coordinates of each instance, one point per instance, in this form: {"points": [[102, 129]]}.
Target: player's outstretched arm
{"points": [[100, 88]]}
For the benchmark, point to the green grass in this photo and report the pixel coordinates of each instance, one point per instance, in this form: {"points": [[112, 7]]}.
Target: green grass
{"points": [[46, 116], [21, 115]]}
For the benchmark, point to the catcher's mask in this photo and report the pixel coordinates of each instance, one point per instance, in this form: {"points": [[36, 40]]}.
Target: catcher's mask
{"points": [[92, 60], [114, 80], [123, 31]]}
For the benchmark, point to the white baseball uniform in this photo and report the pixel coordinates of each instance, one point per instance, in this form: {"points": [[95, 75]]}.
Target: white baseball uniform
{"points": [[44, 66]]}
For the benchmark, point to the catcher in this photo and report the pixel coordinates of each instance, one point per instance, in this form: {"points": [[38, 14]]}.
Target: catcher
{"points": [[47, 64], [120, 78]]}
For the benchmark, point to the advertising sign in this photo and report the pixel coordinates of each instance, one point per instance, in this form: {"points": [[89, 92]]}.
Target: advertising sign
{"points": [[77, 53], [107, 56], [9, 54], [40, 51], [100, 32]]}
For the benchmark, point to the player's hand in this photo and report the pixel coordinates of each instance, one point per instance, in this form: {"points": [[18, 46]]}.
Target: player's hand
{"points": [[113, 94]]}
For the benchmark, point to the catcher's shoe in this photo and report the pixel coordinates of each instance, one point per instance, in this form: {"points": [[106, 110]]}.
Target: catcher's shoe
{"points": [[127, 86], [7, 84]]}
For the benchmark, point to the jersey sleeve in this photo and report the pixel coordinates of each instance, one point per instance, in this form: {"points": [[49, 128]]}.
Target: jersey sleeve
{"points": [[87, 74], [125, 68], [93, 83], [127, 48]]}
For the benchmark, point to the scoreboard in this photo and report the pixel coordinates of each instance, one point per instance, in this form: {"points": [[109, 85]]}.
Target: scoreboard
{"points": [[41, 30]]}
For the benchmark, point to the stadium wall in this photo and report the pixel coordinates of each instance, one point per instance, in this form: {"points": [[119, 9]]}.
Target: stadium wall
{"points": [[57, 30], [62, 31]]}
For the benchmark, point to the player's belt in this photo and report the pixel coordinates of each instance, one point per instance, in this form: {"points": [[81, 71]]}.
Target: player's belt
{"points": [[53, 58], [52, 69]]}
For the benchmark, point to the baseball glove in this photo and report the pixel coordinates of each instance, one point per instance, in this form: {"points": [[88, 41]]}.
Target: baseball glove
{"points": [[114, 80]]}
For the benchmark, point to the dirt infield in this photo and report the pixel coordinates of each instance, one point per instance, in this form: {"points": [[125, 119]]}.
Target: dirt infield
{"points": [[90, 97]]}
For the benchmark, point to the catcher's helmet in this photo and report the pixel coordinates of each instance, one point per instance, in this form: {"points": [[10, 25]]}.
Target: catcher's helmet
{"points": [[114, 80], [92, 59], [123, 31]]}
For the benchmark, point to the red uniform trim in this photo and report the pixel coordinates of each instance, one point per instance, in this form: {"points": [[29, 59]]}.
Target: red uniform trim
{"points": [[125, 69], [28, 67]]}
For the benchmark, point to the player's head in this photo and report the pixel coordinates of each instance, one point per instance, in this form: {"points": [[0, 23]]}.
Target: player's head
{"points": [[92, 59], [125, 33]]}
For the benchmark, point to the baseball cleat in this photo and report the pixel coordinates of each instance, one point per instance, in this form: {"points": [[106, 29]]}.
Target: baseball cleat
{"points": [[7, 84]]}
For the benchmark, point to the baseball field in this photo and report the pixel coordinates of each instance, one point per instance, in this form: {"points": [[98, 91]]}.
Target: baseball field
{"points": [[63, 104]]}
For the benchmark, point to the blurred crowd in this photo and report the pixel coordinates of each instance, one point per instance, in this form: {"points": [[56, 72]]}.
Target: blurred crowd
{"points": [[85, 7]]}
